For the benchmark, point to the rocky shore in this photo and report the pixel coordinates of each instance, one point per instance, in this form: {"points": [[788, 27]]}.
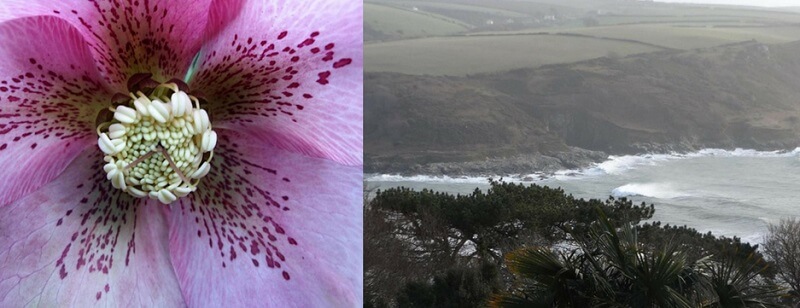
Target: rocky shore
{"points": [[575, 158], [525, 164]]}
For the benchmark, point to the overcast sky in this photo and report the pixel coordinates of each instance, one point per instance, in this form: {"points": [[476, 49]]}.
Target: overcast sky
{"points": [[742, 2]]}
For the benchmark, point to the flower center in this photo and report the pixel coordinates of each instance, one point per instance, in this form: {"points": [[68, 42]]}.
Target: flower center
{"points": [[159, 146]]}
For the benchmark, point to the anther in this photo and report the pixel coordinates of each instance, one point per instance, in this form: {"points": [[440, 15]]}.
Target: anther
{"points": [[158, 145]]}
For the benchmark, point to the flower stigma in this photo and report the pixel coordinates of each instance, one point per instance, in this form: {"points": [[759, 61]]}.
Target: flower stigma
{"points": [[157, 146]]}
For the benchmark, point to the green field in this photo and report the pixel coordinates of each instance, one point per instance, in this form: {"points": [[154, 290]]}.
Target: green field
{"points": [[465, 8], [452, 38], [682, 35], [403, 23], [413, 19], [527, 7], [690, 37], [688, 12], [470, 55]]}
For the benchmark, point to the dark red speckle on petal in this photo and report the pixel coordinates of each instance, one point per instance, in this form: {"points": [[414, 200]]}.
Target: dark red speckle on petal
{"points": [[47, 101], [342, 63], [62, 273], [238, 215], [103, 230], [323, 77], [263, 76]]}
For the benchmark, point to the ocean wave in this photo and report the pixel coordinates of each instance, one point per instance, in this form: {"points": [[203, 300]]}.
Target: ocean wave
{"points": [[425, 178], [614, 165], [620, 164], [739, 152], [652, 190]]}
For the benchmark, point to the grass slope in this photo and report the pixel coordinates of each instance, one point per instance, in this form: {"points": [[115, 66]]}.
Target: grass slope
{"points": [[460, 56], [396, 22]]}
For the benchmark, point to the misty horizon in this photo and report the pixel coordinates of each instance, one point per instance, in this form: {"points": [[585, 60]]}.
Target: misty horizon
{"points": [[762, 3]]}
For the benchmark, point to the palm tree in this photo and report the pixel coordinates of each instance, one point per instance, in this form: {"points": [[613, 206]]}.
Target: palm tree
{"points": [[737, 284], [610, 268]]}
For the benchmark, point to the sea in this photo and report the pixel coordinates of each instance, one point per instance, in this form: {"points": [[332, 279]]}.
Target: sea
{"points": [[727, 192]]}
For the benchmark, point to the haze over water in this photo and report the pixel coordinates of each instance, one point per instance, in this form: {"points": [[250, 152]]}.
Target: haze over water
{"points": [[731, 193], [764, 3]]}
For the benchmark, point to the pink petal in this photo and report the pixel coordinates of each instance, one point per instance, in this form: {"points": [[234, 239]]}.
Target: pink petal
{"points": [[127, 37], [270, 228], [291, 70], [78, 242], [50, 93]]}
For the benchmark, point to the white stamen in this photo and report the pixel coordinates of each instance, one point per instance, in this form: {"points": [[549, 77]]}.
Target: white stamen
{"points": [[141, 104], [209, 141], [125, 114], [118, 180], [202, 171], [136, 193], [109, 166], [183, 191], [110, 146], [116, 130], [201, 122], [159, 111], [111, 174], [156, 149], [180, 104], [166, 197]]}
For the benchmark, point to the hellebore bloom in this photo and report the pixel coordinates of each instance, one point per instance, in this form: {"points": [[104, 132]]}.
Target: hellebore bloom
{"points": [[180, 153]]}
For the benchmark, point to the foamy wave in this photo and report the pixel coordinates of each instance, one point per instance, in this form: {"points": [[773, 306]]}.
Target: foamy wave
{"points": [[739, 152], [425, 179], [613, 166], [619, 164], [513, 178], [652, 190]]}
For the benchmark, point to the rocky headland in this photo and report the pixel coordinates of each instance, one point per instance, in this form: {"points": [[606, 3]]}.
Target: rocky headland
{"points": [[572, 115]]}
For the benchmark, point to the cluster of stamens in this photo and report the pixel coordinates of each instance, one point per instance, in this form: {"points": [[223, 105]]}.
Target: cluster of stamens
{"points": [[159, 146]]}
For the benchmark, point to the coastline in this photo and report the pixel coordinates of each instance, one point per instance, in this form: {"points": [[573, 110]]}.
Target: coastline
{"points": [[535, 167], [576, 158], [679, 203]]}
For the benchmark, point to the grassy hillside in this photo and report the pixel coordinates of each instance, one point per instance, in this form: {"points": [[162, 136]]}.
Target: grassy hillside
{"points": [[426, 37], [480, 15], [460, 56], [691, 36], [742, 95], [388, 22]]}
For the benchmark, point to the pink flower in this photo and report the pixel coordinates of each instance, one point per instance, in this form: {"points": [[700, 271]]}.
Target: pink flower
{"points": [[277, 219]]}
